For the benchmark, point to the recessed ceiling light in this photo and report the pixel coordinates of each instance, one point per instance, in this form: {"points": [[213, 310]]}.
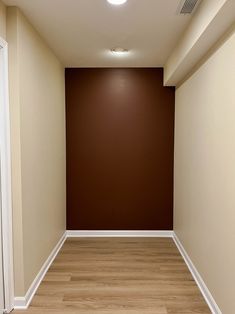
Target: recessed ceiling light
{"points": [[117, 2], [119, 51]]}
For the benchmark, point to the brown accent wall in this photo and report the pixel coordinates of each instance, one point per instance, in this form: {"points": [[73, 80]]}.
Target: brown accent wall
{"points": [[120, 144]]}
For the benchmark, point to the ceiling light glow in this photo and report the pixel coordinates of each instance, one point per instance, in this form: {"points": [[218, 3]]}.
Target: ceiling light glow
{"points": [[119, 52], [117, 2]]}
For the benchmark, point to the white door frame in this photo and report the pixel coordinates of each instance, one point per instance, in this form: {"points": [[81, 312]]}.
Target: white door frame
{"points": [[5, 165]]}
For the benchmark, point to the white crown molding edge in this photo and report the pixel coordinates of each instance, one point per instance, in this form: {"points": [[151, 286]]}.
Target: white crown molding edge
{"points": [[22, 303], [120, 233], [197, 277], [5, 178]]}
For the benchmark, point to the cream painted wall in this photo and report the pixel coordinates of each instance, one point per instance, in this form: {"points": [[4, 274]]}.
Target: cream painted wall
{"points": [[38, 143], [12, 38], [204, 209], [2, 20]]}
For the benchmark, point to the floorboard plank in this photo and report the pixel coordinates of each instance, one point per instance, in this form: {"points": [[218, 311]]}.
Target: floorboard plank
{"points": [[118, 276]]}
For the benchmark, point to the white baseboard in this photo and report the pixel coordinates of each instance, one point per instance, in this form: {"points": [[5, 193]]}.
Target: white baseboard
{"points": [[197, 277], [22, 303], [120, 233]]}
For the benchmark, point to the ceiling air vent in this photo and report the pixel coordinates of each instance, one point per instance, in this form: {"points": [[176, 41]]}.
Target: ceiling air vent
{"points": [[188, 6]]}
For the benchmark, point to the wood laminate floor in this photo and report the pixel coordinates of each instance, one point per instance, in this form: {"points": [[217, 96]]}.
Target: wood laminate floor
{"points": [[118, 276]]}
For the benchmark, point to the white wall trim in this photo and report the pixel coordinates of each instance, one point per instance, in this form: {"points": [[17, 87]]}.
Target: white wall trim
{"points": [[23, 302], [119, 233], [5, 179], [197, 277]]}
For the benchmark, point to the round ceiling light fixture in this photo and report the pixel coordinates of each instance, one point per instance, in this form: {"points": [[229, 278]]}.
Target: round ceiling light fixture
{"points": [[119, 51], [117, 2]]}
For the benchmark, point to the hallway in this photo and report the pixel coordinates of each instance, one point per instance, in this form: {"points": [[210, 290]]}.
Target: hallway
{"points": [[117, 150]]}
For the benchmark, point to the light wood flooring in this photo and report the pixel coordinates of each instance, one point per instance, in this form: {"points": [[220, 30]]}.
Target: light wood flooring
{"points": [[118, 276]]}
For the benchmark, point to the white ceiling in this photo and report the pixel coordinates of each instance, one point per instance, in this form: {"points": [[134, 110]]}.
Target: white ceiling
{"points": [[81, 32]]}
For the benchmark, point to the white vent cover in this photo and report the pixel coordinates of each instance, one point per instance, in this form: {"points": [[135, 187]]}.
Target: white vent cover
{"points": [[188, 6]]}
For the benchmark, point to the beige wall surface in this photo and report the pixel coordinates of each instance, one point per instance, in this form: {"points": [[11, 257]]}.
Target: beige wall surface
{"points": [[204, 214], [2, 20], [38, 137], [12, 38]]}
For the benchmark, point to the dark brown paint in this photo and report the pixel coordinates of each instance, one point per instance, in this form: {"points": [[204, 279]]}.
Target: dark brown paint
{"points": [[120, 143]]}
